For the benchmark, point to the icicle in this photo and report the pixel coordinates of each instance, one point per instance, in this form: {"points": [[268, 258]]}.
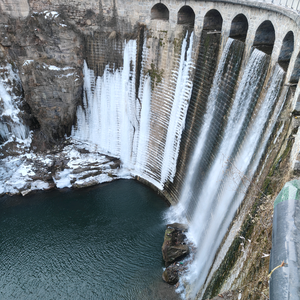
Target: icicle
{"points": [[11, 126], [178, 114], [144, 127], [142, 113], [108, 117]]}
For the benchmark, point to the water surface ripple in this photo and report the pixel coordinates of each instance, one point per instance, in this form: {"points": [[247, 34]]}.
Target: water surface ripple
{"points": [[100, 243]]}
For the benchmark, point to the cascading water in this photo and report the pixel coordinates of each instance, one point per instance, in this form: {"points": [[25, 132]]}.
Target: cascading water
{"points": [[220, 194], [238, 119], [241, 170], [217, 94]]}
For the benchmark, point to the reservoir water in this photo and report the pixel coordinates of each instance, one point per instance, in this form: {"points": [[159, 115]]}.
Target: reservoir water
{"points": [[97, 243]]}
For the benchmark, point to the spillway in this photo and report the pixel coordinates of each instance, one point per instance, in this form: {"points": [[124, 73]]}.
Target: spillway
{"points": [[200, 129]]}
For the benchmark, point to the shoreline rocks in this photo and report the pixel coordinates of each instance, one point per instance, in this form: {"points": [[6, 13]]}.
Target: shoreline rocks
{"points": [[174, 249], [70, 166]]}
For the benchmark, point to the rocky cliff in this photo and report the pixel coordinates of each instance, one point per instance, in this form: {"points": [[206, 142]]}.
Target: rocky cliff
{"points": [[47, 43]]}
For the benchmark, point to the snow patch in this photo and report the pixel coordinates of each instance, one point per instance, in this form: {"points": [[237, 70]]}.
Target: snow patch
{"points": [[51, 14], [39, 185], [55, 68], [63, 179], [28, 62]]}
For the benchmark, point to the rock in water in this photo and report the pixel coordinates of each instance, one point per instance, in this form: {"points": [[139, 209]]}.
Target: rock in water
{"points": [[170, 275], [174, 247]]}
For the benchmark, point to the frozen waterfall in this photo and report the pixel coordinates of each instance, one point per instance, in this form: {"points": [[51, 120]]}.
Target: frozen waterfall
{"points": [[117, 122], [11, 125]]}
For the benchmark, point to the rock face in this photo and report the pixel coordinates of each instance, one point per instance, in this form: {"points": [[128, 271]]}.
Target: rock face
{"points": [[51, 73], [174, 247], [48, 54], [43, 46]]}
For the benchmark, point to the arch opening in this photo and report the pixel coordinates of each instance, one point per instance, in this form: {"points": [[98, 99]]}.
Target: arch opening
{"points": [[286, 51], [186, 16], [265, 37], [239, 28], [296, 71], [213, 21], [160, 12]]}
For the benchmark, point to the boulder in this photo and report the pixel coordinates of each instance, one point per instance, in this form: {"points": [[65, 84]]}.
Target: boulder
{"points": [[174, 247], [170, 275]]}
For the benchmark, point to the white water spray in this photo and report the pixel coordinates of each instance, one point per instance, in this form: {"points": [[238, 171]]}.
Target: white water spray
{"points": [[212, 224], [240, 111], [180, 101], [180, 210]]}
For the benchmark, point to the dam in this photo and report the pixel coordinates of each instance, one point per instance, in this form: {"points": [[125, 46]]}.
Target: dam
{"points": [[197, 99]]}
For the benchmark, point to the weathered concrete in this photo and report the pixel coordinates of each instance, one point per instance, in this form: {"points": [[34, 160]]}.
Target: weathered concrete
{"points": [[84, 14], [15, 8]]}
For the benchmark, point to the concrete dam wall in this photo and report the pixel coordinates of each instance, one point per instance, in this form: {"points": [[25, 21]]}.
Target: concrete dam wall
{"points": [[195, 99]]}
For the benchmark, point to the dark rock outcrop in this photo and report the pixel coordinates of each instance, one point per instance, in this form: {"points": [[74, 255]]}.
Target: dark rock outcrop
{"points": [[170, 275], [174, 247], [48, 48], [51, 73]]}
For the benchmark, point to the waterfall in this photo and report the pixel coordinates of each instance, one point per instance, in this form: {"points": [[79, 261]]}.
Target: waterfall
{"points": [[239, 116], [11, 125], [143, 127], [216, 95], [180, 101], [238, 156]]}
